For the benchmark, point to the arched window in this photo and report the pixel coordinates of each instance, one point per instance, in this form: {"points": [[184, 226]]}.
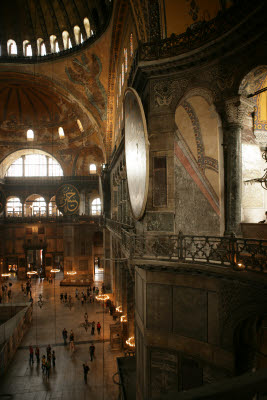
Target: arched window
{"points": [[77, 34], [40, 46], [125, 60], [66, 40], [52, 208], [80, 125], [87, 26], [27, 48], [35, 205], [34, 165], [11, 47], [43, 49], [131, 45], [96, 206], [14, 207], [61, 132], [30, 135], [92, 168], [122, 74], [54, 44]]}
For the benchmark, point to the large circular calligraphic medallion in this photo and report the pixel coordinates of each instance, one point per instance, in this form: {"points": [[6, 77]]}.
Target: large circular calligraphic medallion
{"points": [[68, 199], [2, 201], [136, 152]]}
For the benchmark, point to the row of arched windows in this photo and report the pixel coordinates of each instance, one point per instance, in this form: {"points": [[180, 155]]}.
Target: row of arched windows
{"points": [[54, 47], [35, 206], [124, 67], [38, 165]]}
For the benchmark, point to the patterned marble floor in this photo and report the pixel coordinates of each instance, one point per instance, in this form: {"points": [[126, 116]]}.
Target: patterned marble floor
{"points": [[25, 382]]}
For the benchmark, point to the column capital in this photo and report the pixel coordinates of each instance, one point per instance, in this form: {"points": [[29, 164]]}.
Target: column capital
{"points": [[235, 109]]}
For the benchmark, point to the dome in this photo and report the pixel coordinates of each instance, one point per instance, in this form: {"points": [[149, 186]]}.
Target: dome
{"points": [[31, 28]]}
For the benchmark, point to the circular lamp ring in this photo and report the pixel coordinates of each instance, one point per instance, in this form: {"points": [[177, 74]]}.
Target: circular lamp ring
{"points": [[102, 297], [71, 273], [32, 272], [5, 275], [55, 270]]}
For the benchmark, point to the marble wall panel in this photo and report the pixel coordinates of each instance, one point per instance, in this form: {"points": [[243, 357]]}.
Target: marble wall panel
{"points": [[190, 313], [159, 307]]}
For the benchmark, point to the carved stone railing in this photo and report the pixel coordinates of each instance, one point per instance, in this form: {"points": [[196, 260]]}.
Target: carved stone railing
{"points": [[237, 253]]}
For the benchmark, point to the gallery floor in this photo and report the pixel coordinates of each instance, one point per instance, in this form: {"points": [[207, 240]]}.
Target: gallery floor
{"points": [[25, 382]]}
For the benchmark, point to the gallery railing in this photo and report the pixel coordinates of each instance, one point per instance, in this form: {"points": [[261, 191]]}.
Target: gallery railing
{"points": [[238, 253], [92, 219], [198, 33]]}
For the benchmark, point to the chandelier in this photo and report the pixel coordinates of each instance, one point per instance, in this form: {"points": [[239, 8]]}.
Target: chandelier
{"points": [[263, 179]]}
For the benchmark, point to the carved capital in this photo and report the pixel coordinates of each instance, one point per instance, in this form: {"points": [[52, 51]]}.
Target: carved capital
{"points": [[236, 109]]}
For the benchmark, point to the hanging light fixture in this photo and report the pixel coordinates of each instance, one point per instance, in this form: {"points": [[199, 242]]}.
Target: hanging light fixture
{"points": [[263, 179], [102, 297], [131, 341], [55, 270]]}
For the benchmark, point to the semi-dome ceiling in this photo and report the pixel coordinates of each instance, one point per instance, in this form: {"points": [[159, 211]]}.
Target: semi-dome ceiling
{"points": [[30, 20], [27, 103]]}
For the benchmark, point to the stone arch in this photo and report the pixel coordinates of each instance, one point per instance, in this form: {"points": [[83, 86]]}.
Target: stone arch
{"points": [[14, 155], [254, 132], [199, 150]]}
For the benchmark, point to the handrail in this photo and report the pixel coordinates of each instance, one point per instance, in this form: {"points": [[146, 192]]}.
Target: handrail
{"points": [[225, 251]]}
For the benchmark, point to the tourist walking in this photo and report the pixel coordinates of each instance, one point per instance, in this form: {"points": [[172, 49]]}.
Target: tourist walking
{"points": [[47, 367], [31, 354], [72, 348], [48, 351], [43, 364], [85, 372], [65, 336], [37, 354], [93, 328], [98, 327], [92, 351], [54, 358]]}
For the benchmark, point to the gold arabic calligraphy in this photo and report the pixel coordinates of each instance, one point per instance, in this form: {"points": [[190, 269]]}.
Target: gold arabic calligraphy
{"points": [[68, 199]]}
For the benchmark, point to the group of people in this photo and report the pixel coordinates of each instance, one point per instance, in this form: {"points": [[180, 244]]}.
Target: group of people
{"points": [[71, 339], [47, 360], [86, 368], [27, 290]]}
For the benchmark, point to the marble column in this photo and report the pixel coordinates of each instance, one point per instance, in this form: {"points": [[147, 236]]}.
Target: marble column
{"points": [[235, 110]]}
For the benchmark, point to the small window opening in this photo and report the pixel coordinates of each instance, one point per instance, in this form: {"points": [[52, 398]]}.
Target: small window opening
{"points": [[30, 135]]}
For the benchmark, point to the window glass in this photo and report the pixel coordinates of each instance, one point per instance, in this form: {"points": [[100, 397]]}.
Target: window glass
{"points": [[14, 207], [34, 165], [92, 168], [87, 26], [96, 206], [131, 45], [16, 169], [125, 60]]}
